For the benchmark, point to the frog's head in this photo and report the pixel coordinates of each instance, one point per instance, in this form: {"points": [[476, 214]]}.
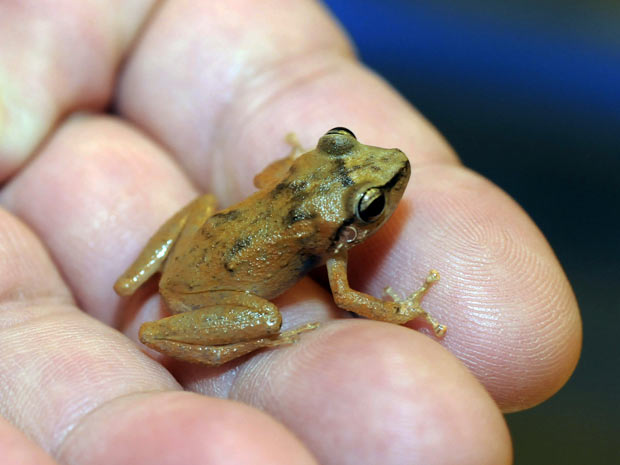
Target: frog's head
{"points": [[372, 181]]}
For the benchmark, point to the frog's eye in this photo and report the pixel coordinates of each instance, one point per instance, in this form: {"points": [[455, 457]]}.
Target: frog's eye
{"points": [[337, 142], [371, 205], [340, 130]]}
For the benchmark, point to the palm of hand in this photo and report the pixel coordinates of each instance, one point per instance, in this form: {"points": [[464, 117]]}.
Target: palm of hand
{"points": [[204, 109]]}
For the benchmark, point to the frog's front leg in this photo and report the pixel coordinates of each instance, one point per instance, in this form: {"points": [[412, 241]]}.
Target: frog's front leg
{"points": [[398, 311], [278, 169], [154, 254], [215, 327]]}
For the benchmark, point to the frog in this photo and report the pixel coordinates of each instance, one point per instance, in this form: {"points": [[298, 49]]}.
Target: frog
{"points": [[220, 270]]}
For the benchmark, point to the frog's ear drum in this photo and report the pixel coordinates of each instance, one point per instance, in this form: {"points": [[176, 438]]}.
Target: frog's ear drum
{"points": [[341, 130]]}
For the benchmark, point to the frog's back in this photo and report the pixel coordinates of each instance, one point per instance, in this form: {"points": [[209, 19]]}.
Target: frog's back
{"points": [[251, 247]]}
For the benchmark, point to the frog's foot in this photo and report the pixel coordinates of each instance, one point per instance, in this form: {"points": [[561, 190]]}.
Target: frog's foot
{"points": [[214, 355], [296, 148], [289, 337], [276, 170], [413, 302]]}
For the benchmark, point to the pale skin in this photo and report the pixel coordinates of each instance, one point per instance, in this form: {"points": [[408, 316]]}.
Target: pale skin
{"points": [[200, 112], [215, 279]]}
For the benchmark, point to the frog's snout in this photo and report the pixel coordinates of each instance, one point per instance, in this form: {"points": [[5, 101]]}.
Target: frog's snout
{"points": [[400, 155]]}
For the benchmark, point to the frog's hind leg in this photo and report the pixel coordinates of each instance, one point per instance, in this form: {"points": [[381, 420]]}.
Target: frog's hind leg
{"points": [[154, 254], [219, 354], [215, 327]]}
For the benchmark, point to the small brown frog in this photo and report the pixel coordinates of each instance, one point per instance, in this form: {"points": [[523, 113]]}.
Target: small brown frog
{"points": [[219, 270]]}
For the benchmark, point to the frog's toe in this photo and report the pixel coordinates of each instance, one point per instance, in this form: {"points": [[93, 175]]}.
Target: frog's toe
{"points": [[290, 337], [388, 291], [440, 330], [433, 276]]}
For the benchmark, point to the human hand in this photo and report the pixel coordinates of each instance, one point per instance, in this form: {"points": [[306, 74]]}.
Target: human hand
{"points": [[205, 92]]}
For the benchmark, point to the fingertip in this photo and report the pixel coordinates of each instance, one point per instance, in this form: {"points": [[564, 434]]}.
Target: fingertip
{"points": [[17, 449], [180, 428], [380, 393], [513, 318]]}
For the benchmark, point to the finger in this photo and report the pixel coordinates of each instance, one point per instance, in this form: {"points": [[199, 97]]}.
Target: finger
{"points": [[122, 187], [360, 392], [271, 67], [171, 428], [57, 57], [86, 394], [512, 316], [17, 449]]}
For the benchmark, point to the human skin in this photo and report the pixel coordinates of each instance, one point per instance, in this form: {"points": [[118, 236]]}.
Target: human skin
{"points": [[204, 93]]}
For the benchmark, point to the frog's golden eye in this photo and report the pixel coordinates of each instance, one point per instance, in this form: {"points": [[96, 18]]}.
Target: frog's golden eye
{"points": [[371, 205], [340, 130]]}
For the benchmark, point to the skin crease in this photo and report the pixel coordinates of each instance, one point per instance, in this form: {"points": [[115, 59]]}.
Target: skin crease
{"points": [[206, 112], [15, 447]]}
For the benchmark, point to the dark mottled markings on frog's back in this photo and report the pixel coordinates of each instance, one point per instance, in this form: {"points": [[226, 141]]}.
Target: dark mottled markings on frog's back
{"points": [[237, 247], [324, 188], [369, 165], [342, 173], [281, 187], [297, 214], [297, 188], [224, 217], [345, 180]]}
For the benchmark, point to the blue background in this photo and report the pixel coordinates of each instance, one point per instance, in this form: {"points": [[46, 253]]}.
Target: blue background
{"points": [[528, 93]]}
